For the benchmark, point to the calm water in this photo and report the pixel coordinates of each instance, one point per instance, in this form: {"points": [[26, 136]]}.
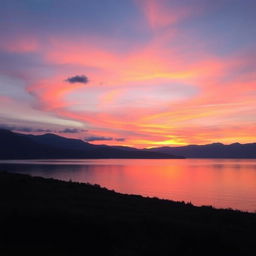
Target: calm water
{"points": [[222, 183]]}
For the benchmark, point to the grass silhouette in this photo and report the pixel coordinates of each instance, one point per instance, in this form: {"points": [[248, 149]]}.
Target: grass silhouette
{"points": [[41, 216]]}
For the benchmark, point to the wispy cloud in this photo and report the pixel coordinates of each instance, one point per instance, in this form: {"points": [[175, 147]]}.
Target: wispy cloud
{"points": [[102, 138], [166, 80], [72, 130], [163, 13], [40, 130]]}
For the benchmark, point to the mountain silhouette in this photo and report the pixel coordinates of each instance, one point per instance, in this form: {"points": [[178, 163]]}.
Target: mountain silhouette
{"points": [[61, 142], [22, 146], [214, 150]]}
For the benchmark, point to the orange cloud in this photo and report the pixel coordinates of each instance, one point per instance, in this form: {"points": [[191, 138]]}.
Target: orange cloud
{"points": [[115, 114], [166, 87], [132, 92]]}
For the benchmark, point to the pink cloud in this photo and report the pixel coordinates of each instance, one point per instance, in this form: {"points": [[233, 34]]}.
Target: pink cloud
{"points": [[160, 14], [24, 44], [122, 99]]}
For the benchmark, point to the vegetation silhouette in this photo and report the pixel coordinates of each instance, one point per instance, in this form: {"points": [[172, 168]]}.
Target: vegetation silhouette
{"points": [[49, 217]]}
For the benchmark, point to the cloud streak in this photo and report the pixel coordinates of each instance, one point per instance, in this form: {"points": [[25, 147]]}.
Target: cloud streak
{"points": [[40, 130], [164, 13], [166, 80], [102, 138]]}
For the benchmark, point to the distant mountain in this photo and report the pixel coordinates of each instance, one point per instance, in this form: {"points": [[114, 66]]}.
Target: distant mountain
{"points": [[21, 146], [215, 150], [60, 142]]}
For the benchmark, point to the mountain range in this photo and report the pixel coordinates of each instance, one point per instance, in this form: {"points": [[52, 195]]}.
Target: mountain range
{"points": [[214, 150], [23, 146], [28, 146]]}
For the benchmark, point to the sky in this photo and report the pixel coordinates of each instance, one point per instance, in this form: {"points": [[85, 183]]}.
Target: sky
{"points": [[142, 73]]}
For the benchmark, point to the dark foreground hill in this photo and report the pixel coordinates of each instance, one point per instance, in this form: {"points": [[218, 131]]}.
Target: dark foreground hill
{"points": [[214, 150], [21, 146], [49, 217]]}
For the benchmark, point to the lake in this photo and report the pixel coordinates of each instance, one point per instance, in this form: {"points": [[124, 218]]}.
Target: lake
{"points": [[222, 183]]}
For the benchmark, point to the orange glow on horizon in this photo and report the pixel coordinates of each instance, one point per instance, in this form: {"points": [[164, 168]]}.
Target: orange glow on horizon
{"points": [[163, 80]]}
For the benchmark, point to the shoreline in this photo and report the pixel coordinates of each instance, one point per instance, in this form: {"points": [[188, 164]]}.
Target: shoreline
{"points": [[42, 216], [98, 186]]}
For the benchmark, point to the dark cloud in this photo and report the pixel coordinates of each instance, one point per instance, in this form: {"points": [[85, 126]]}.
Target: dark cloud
{"points": [[23, 129], [120, 139], [78, 79], [95, 138], [29, 129], [72, 130], [102, 138]]}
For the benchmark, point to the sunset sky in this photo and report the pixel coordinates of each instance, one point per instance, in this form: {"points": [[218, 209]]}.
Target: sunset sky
{"points": [[141, 73]]}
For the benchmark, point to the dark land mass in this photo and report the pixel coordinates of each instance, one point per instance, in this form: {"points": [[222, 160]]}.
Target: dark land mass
{"points": [[21, 146], [48, 217], [215, 150]]}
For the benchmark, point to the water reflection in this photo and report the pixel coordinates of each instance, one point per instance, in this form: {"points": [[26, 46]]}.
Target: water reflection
{"points": [[219, 182]]}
